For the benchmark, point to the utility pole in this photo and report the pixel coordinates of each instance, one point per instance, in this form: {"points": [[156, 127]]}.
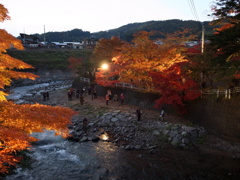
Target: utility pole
{"points": [[202, 50], [24, 37], [203, 77], [44, 36]]}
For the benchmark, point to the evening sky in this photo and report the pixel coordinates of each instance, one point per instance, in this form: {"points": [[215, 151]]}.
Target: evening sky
{"points": [[31, 16]]}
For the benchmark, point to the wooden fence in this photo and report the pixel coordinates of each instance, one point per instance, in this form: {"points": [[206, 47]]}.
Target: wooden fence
{"points": [[227, 93]]}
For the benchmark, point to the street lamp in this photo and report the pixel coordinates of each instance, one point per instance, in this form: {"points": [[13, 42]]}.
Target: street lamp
{"points": [[104, 66]]}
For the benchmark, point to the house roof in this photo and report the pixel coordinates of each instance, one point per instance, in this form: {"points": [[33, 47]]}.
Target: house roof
{"points": [[29, 37]]}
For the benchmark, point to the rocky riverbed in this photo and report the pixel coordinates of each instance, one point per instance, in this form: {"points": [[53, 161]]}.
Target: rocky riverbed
{"points": [[120, 125], [125, 130], [170, 146]]}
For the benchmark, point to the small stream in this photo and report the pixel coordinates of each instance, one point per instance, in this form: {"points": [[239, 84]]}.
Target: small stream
{"points": [[55, 158]]}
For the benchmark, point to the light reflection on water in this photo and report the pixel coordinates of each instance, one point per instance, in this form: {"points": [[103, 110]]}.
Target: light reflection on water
{"points": [[104, 137]]}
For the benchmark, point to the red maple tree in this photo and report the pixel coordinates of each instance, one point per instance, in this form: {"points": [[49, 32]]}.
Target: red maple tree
{"points": [[154, 66]]}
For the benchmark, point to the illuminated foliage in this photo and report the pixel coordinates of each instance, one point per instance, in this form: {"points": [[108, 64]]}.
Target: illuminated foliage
{"points": [[175, 87], [105, 50], [17, 122], [153, 66]]}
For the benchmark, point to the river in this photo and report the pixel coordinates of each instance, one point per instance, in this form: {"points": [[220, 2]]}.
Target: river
{"points": [[55, 158]]}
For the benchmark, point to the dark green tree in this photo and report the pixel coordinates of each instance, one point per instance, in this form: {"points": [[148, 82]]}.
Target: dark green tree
{"points": [[225, 40]]}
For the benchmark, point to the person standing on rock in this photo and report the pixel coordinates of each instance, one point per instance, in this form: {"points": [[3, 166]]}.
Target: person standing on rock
{"points": [[85, 124], [162, 113], [139, 114], [44, 96], [107, 98]]}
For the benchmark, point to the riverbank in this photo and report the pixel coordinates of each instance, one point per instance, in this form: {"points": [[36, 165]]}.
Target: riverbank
{"points": [[92, 109], [208, 155]]}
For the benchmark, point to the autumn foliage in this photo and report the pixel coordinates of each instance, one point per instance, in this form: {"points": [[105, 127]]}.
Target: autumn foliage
{"points": [[17, 122], [153, 66], [106, 49], [175, 87]]}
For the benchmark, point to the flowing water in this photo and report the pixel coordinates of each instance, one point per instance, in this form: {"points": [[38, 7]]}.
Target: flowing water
{"points": [[55, 158]]}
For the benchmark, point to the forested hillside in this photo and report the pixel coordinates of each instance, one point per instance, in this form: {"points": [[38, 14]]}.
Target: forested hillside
{"points": [[126, 32], [75, 35], [49, 59], [169, 26]]}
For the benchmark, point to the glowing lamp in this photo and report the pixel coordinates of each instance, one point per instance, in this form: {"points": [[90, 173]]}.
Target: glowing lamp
{"points": [[104, 66]]}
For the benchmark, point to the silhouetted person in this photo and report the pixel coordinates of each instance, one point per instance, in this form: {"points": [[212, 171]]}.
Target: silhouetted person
{"points": [[162, 113], [44, 96], [115, 97], [47, 95], [77, 93], [107, 98], [89, 90], [69, 93], [122, 98], [85, 124], [109, 92], [81, 99], [139, 114], [95, 93]]}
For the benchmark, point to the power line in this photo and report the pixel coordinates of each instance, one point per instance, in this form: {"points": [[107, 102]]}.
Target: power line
{"points": [[194, 12], [193, 9]]}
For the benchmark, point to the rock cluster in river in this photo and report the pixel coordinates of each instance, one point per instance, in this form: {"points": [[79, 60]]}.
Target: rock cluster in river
{"points": [[124, 129]]}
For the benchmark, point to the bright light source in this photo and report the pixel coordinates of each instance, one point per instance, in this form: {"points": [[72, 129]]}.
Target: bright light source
{"points": [[104, 137], [105, 66]]}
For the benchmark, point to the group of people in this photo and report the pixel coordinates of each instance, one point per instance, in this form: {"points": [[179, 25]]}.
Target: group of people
{"points": [[81, 92], [161, 115], [114, 98], [92, 91], [138, 111]]}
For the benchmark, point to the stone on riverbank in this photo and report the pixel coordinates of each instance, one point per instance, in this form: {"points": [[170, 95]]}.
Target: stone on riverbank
{"points": [[123, 126]]}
